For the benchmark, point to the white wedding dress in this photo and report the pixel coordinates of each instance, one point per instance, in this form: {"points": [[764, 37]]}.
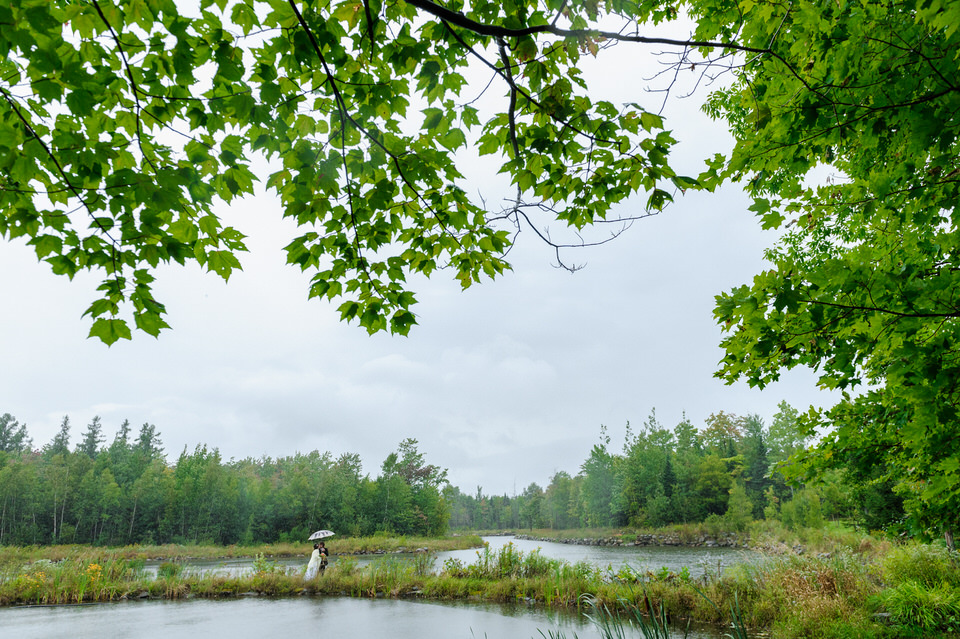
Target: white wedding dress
{"points": [[314, 566]]}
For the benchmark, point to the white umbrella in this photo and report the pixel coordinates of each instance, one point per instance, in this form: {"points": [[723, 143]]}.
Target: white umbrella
{"points": [[320, 534]]}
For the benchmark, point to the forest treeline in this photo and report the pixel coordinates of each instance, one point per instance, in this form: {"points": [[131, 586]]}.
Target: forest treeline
{"points": [[728, 472], [128, 492]]}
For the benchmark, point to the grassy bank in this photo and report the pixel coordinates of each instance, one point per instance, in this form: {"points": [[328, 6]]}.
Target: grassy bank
{"points": [[873, 590], [764, 535], [175, 552]]}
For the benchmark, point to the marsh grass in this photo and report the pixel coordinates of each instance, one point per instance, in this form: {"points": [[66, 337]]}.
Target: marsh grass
{"points": [[346, 566], [928, 607], [20, 555], [832, 595], [168, 569], [70, 581], [833, 536], [929, 565], [924, 587]]}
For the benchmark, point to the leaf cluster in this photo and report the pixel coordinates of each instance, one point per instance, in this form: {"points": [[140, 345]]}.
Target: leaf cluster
{"points": [[863, 285], [123, 126]]}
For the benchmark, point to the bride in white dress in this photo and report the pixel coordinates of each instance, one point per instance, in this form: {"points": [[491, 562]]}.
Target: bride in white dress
{"points": [[314, 566]]}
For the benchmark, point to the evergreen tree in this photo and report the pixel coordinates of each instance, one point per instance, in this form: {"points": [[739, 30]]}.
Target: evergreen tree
{"points": [[92, 438], [755, 475], [60, 444], [122, 438], [120, 453], [668, 478], [13, 435], [148, 444]]}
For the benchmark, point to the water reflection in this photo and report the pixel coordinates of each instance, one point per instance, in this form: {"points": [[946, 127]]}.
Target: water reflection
{"points": [[674, 558], [344, 617], [302, 617]]}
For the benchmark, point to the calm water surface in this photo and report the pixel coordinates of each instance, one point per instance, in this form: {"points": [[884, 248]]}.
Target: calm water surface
{"points": [[302, 617], [260, 618], [696, 560]]}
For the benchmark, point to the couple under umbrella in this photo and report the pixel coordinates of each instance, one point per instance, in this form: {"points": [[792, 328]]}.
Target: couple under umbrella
{"points": [[318, 559]]}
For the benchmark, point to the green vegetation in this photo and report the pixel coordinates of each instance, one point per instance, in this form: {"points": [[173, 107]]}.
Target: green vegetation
{"points": [[127, 493], [360, 106], [855, 157], [179, 554], [689, 482], [721, 478], [879, 591]]}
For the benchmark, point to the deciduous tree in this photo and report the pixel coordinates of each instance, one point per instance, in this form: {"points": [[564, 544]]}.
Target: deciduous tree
{"points": [[123, 123], [865, 285]]}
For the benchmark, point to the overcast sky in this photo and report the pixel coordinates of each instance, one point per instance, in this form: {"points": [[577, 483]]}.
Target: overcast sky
{"points": [[503, 384]]}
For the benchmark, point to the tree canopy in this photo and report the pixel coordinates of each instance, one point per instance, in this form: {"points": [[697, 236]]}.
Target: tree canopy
{"points": [[863, 286], [122, 124]]}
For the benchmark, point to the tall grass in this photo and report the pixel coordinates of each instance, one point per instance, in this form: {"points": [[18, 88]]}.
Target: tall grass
{"points": [[176, 552], [925, 564], [924, 590], [916, 587], [72, 581]]}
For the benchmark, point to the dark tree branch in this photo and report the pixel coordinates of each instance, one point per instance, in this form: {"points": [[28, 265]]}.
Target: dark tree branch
{"points": [[63, 174], [370, 26], [345, 115], [133, 85], [512, 111], [877, 309], [567, 124]]}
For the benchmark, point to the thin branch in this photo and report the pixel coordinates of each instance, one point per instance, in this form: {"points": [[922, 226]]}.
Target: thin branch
{"points": [[520, 90], [133, 85], [876, 309], [497, 31], [63, 174], [512, 112]]}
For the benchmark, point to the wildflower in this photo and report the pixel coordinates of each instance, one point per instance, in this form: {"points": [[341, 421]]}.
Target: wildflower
{"points": [[94, 572]]}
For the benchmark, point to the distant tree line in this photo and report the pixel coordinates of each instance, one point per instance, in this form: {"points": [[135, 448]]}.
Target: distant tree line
{"points": [[726, 472], [127, 492]]}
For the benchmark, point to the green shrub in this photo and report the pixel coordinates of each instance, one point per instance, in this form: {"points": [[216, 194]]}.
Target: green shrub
{"points": [[344, 566], [263, 566], [922, 563], [169, 569], [930, 607]]}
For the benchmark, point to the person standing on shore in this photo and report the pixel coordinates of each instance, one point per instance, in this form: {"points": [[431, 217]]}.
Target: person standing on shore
{"points": [[314, 565], [322, 549]]}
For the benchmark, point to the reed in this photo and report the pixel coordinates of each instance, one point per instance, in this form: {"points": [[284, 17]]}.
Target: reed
{"points": [[838, 595], [19, 555], [833, 536]]}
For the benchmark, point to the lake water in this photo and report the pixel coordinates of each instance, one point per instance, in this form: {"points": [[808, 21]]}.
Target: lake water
{"points": [[696, 560], [326, 617], [260, 618]]}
